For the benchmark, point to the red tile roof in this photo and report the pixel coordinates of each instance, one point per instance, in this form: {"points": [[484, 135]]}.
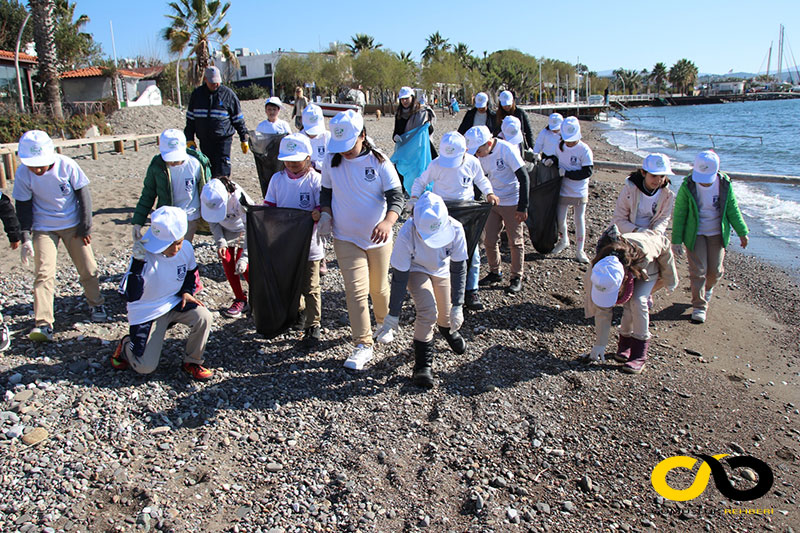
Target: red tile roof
{"points": [[148, 72], [4, 54], [93, 72]]}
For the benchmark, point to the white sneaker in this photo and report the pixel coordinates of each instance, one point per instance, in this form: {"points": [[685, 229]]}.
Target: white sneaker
{"points": [[699, 315], [708, 294], [580, 257], [385, 338], [561, 245], [359, 358]]}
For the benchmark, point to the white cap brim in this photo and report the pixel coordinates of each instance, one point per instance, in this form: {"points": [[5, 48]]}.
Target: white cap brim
{"points": [[516, 139], [294, 156], [316, 129], [344, 145], [442, 237], [704, 179], [44, 160], [211, 214], [154, 245], [174, 156], [574, 137], [450, 162], [604, 299]]}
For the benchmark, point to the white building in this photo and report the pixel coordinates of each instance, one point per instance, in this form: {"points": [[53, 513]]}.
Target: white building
{"points": [[254, 68], [726, 87]]}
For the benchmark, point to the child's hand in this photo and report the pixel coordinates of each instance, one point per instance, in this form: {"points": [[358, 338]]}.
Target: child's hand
{"points": [[492, 199], [521, 216], [14, 245], [188, 298], [221, 252], [381, 232], [325, 225], [315, 215], [87, 239], [743, 240], [241, 265], [26, 252], [598, 353]]}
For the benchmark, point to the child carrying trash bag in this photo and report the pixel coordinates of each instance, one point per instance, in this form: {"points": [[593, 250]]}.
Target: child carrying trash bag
{"points": [[430, 260]]}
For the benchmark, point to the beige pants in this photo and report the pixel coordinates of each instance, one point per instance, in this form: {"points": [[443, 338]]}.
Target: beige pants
{"points": [[516, 238], [432, 302], [191, 229], [705, 267], [365, 274], [45, 254], [198, 319], [311, 294]]}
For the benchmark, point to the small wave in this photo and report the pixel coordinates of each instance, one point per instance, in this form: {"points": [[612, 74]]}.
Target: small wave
{"points": [[780, 216]]}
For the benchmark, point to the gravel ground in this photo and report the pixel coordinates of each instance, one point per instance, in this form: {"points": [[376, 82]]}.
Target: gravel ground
{"points": [[518, 434]]}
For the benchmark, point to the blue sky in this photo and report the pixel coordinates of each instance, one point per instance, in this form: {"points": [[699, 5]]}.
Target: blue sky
{"points": [[718, 36]]}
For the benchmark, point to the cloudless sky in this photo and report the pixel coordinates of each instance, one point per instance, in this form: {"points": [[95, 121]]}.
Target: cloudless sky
{"points": [[717, 35]]}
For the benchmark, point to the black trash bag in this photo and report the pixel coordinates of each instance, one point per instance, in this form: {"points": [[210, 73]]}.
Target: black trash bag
{"points": [[542, 207], [265, 149], [473, 217], [278, 240]]}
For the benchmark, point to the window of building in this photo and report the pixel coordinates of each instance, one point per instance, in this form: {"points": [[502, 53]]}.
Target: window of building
{"points": [[267, 69], [244, 71]]}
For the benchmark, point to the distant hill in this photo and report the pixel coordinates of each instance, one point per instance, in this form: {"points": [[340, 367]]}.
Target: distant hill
{"points": [[785, 75]]}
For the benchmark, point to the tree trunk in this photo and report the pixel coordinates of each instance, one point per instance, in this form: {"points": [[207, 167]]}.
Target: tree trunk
{"points": [[202, 59], [43, 34]]}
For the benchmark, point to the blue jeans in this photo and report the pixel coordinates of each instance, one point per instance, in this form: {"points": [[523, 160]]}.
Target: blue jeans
{"points": [[474, 270]]}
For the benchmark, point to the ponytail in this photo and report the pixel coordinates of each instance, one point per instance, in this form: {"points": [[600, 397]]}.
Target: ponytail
{"points": [[226, 181]]}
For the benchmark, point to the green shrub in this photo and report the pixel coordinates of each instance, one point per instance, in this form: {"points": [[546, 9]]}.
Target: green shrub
{"points": [[13, 124], [251, 92]]}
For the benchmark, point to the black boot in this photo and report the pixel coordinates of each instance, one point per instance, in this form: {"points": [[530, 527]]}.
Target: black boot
{"points": [[423, 359], [455, 340]]}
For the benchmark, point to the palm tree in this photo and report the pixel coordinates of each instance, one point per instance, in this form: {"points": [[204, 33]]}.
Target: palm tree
{"points": [[644, 74], [362, 41], [658, 75], [74, 47], [631, 79], [44, 36], [464, 55], [683, 75], [406, 58], [196, 24], [435, 44]]}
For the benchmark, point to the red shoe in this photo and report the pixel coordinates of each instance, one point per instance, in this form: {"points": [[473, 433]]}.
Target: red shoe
{"points": [[118, 361], [197, 372]]}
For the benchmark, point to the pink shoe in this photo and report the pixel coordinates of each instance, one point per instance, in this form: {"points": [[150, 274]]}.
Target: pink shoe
{"points": [[323, 267], [236, 309]]}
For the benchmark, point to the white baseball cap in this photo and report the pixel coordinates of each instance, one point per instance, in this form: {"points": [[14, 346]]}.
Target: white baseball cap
{"points": [[345, 129], [657, 164], [213, 75], [405, 92], [476, 137], [554, 121], [481, 100], [607, 277], [571, 129], [506, 98], [274, 100], [214, 201], [706, 166], [167, 225], [452, 148], [313, 120], [433, 221], [172, 145], [36, 149], [294, 147], [512, 129]]}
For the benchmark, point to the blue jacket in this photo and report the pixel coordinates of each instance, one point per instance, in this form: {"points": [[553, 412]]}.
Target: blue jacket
{"points": [[214, 115]]}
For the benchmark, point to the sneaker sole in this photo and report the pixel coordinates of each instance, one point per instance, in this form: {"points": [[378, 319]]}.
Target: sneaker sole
{"points": [[629, 370]]}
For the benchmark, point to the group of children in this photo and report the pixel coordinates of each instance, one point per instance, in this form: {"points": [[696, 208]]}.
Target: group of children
{"points": [[354, 196]]}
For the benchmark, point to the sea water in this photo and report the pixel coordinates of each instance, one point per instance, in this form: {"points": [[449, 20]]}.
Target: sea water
{"points": [[765, 139]]}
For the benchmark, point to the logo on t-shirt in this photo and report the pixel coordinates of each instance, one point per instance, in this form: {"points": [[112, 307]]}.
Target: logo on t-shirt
{"points": [[188, 184], [573, 160], [370, 174], [655, 207], [466, 180], [64, 188], [501, 165], [715, 201], [181, 272], [305, 199], [321, 150]]}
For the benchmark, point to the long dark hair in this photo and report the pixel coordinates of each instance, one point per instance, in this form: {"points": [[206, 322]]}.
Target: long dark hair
{"points": [[368, 148], [628, 254], [501, 113], [226, 181]]}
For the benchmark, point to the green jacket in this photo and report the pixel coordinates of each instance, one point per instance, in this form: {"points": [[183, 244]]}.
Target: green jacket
{"points": [[157, 184], [685, 216]]}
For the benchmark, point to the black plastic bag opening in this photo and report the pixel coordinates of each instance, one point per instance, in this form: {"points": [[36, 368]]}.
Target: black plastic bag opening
{"points": [[542, 220], [473, 217]]}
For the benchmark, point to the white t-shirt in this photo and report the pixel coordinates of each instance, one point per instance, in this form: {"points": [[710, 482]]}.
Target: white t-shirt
{"points": [[646, 209], [55, 206], [500, 165], [300, 193], [185, 193], [279, 127], [453, 183], [480, 119], [411, 254], [709, 211], [319, 149], [163, 278], [574, 158], [358, 202], [547, 142], [235, 216]]}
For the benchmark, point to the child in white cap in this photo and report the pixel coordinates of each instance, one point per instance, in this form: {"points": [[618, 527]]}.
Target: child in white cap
{"points": [[575, 166], [705, 210], [54, 203], [502, 163], [479, 115], [512, 133], [273, 125], [298, 186], [454, 175], [175, 177], [221, 206], [314, 129], [508, 108], [430, 259], [159, 287], [625, 271], [11, 227], [645, 201], [547, 141], [361, 199]]}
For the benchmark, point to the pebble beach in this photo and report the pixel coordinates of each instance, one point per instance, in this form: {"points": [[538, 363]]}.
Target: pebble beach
{"points": [[519, 433]]}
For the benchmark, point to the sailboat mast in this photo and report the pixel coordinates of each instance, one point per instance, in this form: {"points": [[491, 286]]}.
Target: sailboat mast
{"points": [[780, 53], [769, 59]]}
